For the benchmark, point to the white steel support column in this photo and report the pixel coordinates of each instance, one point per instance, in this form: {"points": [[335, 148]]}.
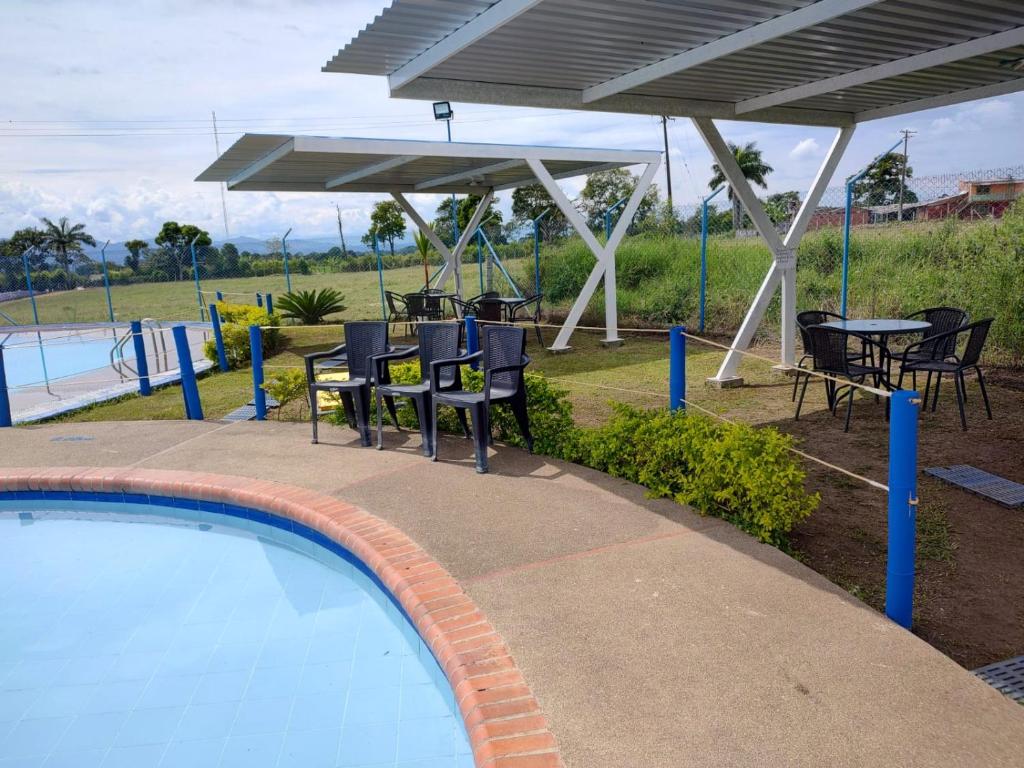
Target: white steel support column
{"points": [[783, 268], [452, 257], [604, 253]]}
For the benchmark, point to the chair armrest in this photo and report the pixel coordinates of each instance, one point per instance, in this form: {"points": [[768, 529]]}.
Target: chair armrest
{"points": [[314, 356], [437, 365], [938, 340], [380, 362]]}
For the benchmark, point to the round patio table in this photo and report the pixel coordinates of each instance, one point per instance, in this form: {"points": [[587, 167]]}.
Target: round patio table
{"points": [[880, 326]]}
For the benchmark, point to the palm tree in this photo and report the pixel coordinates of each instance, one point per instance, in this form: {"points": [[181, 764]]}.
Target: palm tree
{"points": [[423, 246], [748, 157], [65, 241]]}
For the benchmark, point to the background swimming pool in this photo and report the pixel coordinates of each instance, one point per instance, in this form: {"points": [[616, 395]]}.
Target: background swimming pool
{"points": [[130, 639], [32, 358]]}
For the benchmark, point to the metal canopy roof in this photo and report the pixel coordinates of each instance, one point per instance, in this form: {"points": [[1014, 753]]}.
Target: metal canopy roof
{"points": [[829, 62], [281, 163]]}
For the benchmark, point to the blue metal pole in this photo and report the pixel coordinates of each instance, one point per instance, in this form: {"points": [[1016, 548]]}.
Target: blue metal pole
{"points": [[259, 395], [28, 284], [536, 251], [472, 339], [270, 303], [106, 280], [677, 368], [284, 251], [5, 400], [899, 575], [380, 278], [455, 208], [259, 299], [195, 274], [189, 388], [847, 216], [141, 363], [220, 296], [608, 218], [704, 253], [494, 258], [218, 338], [480, 259]]}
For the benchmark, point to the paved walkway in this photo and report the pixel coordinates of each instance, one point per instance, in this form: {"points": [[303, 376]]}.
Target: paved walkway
{"points": [[652, 637]]}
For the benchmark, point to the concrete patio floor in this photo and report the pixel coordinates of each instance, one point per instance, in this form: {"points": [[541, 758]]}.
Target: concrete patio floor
{"points": [[651, 636]]}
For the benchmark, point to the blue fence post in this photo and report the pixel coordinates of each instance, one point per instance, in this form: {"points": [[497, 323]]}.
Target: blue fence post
{"points": [[106, 280], [704, 254], [899, 573], [536, 252], [677, 368], [472, 339], [189, 388], [218, 338], [608, 218], [5, 399], [380, 276], [28, 284], [270, 303], [259, 396], [284, 253], [220, 297], [259, 299], [480, 260], [195, 274], [141, 363]]}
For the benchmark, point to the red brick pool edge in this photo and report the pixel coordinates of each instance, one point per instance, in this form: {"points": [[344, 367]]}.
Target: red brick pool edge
{"points": [[506, 726]]}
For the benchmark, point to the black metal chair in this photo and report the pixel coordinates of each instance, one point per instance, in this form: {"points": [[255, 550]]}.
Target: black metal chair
{"points": [[484, 295], [944, 358], [424, 307], [437, 341], [943, 320], [461, 308], [490, 310], [529, 310], [398, 309], [805, 320], [363, 340], [504, 358], [833, 357]]}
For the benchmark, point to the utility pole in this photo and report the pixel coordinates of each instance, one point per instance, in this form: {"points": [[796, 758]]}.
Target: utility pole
{"points": [[223, 200], [903, 173], [341, 233], [668, 162]]}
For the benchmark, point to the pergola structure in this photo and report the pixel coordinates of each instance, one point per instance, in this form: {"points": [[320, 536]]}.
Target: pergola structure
{"points": [[279, 163], [807, 62]]}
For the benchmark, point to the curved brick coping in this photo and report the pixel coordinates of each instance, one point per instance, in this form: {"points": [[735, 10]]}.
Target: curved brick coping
{"points": [[505, 724]]}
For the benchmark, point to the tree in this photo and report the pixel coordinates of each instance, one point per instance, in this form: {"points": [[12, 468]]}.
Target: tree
{"points": [[65, 240], [754, 169], [881, 184], [782, 206], [605, 188], [465, 208], [386, 223], [134, 257], [12, 265], [174, 240], [423, 248], [531, 201], [229, 259]]}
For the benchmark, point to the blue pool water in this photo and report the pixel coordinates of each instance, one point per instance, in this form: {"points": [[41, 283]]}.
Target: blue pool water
{"points": [[132, 639], [33, 358]]}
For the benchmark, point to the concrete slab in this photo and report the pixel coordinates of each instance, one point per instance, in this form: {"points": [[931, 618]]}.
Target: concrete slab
{"points": [[651, 636]]}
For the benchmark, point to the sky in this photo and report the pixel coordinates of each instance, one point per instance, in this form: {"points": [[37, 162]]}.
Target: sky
{"points": [[105, 117]]}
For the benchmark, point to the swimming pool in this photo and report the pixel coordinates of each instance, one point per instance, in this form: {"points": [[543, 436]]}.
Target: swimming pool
{"points": [[140, 635], [57, 368]]}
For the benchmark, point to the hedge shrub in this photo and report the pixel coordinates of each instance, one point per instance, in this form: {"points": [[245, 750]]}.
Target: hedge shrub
{"points": [[738, 472], [235, 322]]}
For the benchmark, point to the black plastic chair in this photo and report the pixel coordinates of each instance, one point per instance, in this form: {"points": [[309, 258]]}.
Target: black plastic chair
{"points": [[504, 358], [832, 357], [437, 341], [944, 359], [529, 310], [943, 320], [805, 320], [363, 340], [398, 310]]}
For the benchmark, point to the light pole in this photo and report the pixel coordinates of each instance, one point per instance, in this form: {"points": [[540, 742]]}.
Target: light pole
{"points": [[443, 111]]}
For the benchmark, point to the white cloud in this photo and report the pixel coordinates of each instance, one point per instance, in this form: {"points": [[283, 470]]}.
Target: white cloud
{"points": [[804, 149]]}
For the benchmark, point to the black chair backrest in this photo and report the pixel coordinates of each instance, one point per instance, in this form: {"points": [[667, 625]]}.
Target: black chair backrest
{"points": [[364, 338], [805, 320], [394, 300], [434, 291], [417, 304], [828, 345], [503, 345], [439, 341], [943, 320], [975, 342], [490, 309], [433, 308]]}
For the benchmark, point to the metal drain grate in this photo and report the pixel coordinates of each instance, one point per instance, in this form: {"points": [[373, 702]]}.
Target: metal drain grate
{"points": [[999, 489], [1007, 677], [248, 412]]}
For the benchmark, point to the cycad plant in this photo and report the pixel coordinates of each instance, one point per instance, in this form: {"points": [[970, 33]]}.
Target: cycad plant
{"points": [[310, 307]]}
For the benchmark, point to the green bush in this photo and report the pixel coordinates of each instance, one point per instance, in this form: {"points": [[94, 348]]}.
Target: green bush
{"points": [[287, 386], [235, 322], [743, 474], [311, 307]]}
